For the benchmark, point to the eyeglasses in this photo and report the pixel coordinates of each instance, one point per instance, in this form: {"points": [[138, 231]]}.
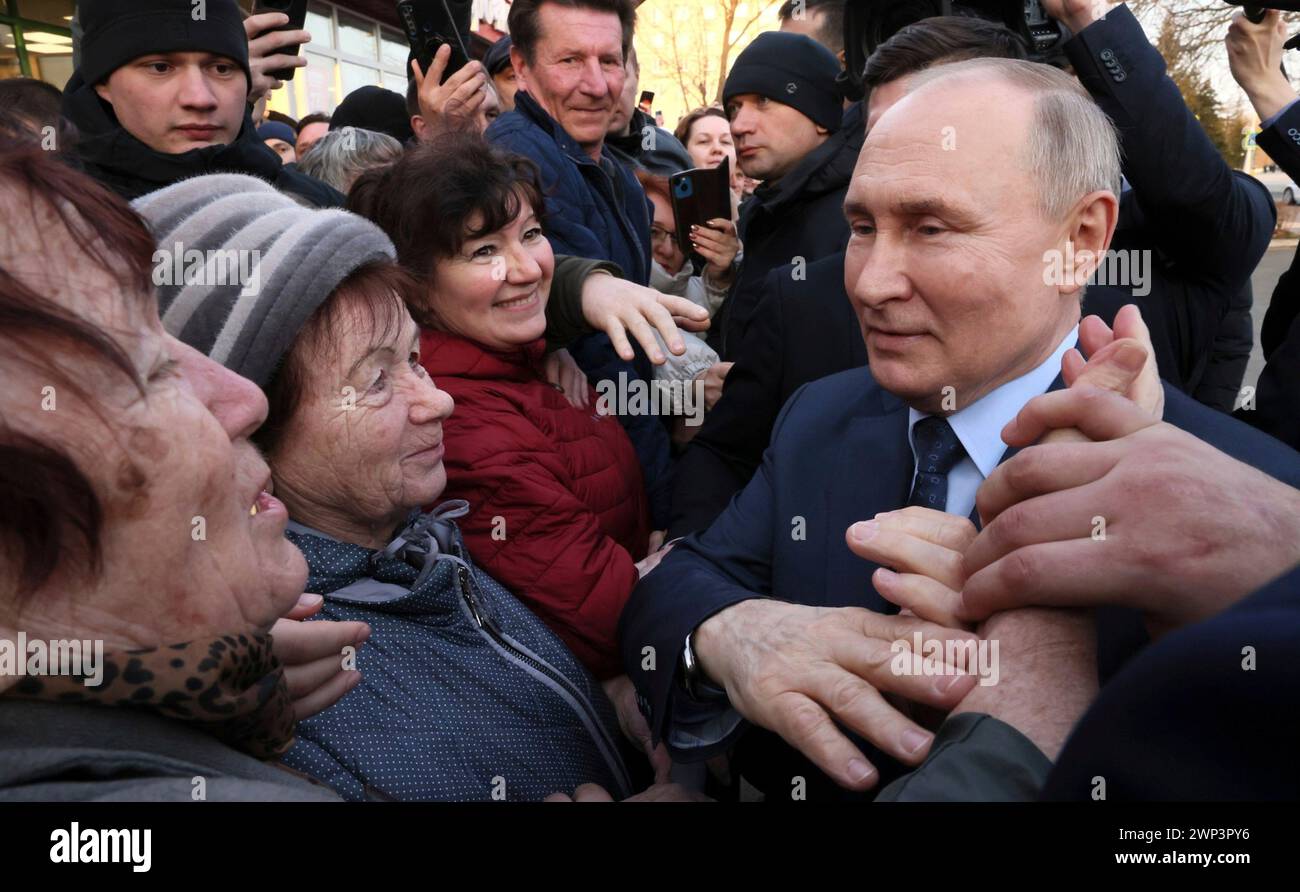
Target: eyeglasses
{"points": [[659, 234]]}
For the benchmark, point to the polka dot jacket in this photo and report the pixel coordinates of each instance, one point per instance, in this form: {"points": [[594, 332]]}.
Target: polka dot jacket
{"points": [[466, 695]]}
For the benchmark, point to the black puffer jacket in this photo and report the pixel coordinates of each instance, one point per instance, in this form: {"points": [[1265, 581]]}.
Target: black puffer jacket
{"points": [[130, 168], [799, 216]]}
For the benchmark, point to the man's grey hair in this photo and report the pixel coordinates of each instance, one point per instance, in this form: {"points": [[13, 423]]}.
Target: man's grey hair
{"points": [[1073, 147], [342, 155]]}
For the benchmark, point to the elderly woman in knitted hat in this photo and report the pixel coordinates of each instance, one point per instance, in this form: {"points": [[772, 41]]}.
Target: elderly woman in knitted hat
{"points": [[466, 693]]}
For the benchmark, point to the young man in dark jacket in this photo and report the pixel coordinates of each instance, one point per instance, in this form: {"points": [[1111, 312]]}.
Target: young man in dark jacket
{"points": [[633, 136], [160, 96], [791, 132], [571, 55]]}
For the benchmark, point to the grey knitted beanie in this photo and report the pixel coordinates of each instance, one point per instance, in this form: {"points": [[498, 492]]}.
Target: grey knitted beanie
{"points": [[241, 267]]}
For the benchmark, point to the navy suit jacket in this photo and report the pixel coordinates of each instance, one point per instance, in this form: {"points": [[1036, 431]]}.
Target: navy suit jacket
{"points": [[839, 454], [1209, 728], [1206, 225]]}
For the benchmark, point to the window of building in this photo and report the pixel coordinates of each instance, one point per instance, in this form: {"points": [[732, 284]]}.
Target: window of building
{"points": [[347, 51], [51, 12], [36, 40], [9, 64], [49, 55]]}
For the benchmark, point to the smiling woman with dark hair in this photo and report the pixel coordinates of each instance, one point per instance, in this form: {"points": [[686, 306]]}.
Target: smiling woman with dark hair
{"points": [[557, 507]]}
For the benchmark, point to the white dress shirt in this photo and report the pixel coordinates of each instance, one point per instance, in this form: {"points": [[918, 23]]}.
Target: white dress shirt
{"points": [[979, 427]]}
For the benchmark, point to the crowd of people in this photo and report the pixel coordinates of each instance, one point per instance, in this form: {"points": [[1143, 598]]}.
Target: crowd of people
{"points": [[340, 437]]}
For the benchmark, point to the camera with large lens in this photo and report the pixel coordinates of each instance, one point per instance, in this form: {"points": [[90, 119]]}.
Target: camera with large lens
{"points": [[869, 23]]}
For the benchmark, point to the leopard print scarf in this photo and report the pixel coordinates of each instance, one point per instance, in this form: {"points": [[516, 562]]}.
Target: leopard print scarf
{"points": [[233, 687]]}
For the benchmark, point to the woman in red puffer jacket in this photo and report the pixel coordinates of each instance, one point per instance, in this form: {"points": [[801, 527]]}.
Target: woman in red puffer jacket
{"points": [[558, 510]]}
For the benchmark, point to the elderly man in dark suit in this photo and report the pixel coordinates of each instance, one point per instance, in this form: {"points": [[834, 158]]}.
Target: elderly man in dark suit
{"points": [[1200, 227], [768, 618]]}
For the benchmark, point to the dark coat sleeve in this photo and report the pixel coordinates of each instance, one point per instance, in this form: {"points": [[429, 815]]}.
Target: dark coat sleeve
{"points": [[565, 322], [1191, 719], [1208, 224], [1203, 215], [705, 573], [729, 446], [974, 758], [1230, 351]]}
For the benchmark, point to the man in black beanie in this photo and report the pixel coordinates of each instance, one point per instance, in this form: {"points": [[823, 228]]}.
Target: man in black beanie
{"points": [[377, 109], [161, 94], [791, 131]]}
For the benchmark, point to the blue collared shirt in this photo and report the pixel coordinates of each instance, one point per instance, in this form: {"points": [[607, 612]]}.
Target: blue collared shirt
{"points": [[979, 427]]}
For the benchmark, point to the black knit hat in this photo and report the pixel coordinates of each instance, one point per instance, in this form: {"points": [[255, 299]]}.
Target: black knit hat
{"points": [[498, 56], [792, 69], [117, 31], [374, 108]]}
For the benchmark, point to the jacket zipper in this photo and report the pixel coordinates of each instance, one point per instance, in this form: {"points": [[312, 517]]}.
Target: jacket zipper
{"points": [[586, 711]]}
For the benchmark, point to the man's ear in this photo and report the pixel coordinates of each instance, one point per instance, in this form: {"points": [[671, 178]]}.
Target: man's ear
{"points": [[822, 131], [1090, 228], [517, 61], [103, 91], [418, 126]]}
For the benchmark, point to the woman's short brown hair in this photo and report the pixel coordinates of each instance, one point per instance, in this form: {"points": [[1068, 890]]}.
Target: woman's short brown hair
{"points": [[426, 200], [46, 500]]}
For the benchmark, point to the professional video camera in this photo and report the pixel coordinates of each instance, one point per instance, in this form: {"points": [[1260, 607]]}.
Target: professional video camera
{"points": [[869, 23]]}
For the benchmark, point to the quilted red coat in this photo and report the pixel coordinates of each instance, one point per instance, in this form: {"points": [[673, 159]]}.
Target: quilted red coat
{"points": [[558, 509]]}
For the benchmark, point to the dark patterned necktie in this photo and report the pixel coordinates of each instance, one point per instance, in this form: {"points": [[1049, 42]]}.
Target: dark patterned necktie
{"points": [[937, 452]]}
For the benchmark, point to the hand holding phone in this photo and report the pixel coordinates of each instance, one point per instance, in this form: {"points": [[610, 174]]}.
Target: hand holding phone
{"points": [[280, 44], [700, 195], [451, 103], [433, 24]]}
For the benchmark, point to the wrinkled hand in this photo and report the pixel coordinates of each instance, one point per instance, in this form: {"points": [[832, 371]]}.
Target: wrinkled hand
{"points": [[718, 245], [312, 656], [714, 377], [622, 693], [657, 793], [617, 307], [562, 372], [1043, 674], [1255, 60], [800, 670], [1187, 529], [263, 47], [452, 105]]}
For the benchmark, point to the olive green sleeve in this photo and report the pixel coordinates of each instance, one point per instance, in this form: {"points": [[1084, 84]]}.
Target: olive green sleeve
{"points": [[564, 320], [974, 758]]}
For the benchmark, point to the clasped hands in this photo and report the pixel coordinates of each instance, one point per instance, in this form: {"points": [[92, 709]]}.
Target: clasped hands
{"points": [[804, 671]]}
